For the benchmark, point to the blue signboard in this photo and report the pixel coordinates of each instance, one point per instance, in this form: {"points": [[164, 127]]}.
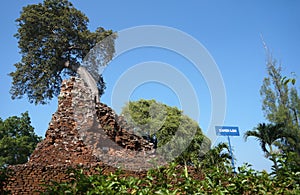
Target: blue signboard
{"points": [[227, 131]]}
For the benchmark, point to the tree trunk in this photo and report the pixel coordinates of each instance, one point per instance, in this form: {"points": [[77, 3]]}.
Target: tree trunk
{"points": [[88, 79]]}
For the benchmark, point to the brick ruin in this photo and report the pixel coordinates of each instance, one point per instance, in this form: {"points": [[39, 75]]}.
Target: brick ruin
{"points": [[81, 133]]}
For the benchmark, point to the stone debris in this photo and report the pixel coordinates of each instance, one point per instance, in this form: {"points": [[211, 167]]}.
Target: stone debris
{"points": [[119, 131]]}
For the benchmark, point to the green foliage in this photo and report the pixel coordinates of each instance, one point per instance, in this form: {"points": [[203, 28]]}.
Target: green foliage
{"points": [[17, 140], [287, 168], [53, 39], [281, 105], [218, 157], [174, 180], [174, 130], [268, 135], [286, 80]]}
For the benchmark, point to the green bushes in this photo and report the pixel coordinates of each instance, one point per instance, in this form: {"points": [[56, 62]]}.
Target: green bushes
{"points": [[176, 132], [175, 180]]}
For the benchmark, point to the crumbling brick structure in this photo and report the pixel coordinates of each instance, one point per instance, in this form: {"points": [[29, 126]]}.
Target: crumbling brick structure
{"points": [[81, 133]]}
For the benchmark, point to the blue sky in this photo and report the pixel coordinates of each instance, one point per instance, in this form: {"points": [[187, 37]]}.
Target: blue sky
{"points": [[229, 30]]}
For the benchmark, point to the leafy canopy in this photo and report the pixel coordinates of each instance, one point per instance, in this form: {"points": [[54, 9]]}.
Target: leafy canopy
{"points": [[17, 140], [281, 105], [150, 117], [53, 38]]}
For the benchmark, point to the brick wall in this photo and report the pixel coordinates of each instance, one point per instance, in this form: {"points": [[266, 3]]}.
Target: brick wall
{"points": [[81, 133]]}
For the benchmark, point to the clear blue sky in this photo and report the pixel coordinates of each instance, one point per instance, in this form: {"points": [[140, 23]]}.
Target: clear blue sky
{"points": [[230, 31]]}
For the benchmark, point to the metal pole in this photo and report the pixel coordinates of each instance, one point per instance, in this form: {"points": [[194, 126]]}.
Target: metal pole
{"points": [[230, 150]]}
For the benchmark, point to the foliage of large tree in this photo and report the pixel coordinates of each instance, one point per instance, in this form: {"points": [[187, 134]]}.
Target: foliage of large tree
{"points": [[281, 105], [54, 38], [150, 117], [17, 140]]}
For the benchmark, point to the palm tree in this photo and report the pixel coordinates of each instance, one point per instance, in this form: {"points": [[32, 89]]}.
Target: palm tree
{"points": [[217, 157], [267, 135]]}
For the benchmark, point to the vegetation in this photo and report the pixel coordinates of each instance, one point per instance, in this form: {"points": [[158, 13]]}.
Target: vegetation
{"points": [[212, 174], [168, 123], [17, 140], [281, 106], [267, 135], [173, 180], [217, 157], [54, 39]]}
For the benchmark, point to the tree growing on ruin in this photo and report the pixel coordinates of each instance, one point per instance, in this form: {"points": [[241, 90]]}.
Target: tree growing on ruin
{"points": [[54, 40]]}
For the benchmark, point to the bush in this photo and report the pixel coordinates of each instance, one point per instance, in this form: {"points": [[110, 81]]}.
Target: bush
{"points": [[175, 179]]}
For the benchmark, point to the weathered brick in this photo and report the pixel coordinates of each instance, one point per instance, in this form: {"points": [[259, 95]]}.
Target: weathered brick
{"points": [[80, 133]]}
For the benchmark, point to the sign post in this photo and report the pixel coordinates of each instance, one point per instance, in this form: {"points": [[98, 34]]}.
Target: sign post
{"points": [[228, 131]]}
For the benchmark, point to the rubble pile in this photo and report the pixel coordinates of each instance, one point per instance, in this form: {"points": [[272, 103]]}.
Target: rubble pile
{"points": [[81, 133], [62, 144], [119, 131]]}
